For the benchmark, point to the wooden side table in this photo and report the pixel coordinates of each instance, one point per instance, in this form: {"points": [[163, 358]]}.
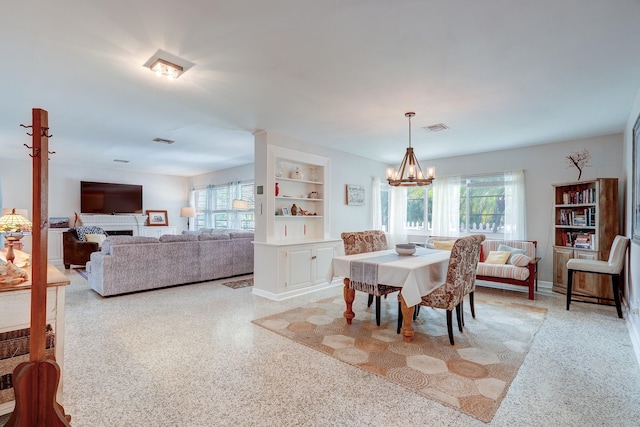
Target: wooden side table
{"points": [[15, 313]]}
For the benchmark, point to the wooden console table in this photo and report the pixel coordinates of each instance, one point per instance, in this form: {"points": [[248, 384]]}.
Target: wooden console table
{"points": [[15, 308]]}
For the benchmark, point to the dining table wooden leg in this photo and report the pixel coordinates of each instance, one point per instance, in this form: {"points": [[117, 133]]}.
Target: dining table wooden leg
{"points": [[349, 296], [407, 320]]}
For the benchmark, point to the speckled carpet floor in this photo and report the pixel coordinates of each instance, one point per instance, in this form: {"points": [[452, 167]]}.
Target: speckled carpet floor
{"points": [[473, 375]]}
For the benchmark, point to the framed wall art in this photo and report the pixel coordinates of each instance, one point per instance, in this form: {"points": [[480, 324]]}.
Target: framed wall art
{"points": [[355, 195], [157, 218], [635, 196]]}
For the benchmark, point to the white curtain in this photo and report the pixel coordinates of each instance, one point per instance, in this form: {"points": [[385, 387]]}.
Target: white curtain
{"points": [[397, 216], [446, 206], [515, 212], [375, 203]]}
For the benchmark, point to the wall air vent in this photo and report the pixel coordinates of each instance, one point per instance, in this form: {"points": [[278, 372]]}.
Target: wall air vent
{"points": [[436, 128], [164, 141]]}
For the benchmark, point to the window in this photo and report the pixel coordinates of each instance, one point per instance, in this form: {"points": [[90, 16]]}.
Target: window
{"points": [[384, 207], [419, 208], [482, 204], [213, 206]]}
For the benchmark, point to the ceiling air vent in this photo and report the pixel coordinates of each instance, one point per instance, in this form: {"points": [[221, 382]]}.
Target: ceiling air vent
{"points": [[164, 141], [120, 161], [437, 127]]}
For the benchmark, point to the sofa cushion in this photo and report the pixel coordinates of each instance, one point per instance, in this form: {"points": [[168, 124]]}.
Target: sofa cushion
{"points": [[506, 271], [126, 240], [498, 257], [528, 247], [178, 238], [214, 236], [519, 260], [241, 234], [81, 231]]}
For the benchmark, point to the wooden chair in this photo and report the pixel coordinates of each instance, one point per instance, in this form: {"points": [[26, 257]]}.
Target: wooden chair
{"points": [[461, 276], [612, 267], [357, 242], [470, 287]]}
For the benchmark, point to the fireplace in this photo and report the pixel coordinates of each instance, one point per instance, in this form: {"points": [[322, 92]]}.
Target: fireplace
{"points": [[119, 232], [125, 224]]}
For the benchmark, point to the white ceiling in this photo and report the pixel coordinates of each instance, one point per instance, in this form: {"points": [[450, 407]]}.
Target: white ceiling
{"points": [[499, 73]]}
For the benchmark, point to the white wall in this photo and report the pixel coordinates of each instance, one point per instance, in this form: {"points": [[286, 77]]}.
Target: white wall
{"points": [[161, 192]]}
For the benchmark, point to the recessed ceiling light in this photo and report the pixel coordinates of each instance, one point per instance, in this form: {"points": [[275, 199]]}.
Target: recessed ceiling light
{"points": [[436, 128], [121, 161], [164, 141]]}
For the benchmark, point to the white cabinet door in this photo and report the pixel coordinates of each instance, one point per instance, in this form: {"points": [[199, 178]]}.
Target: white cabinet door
{"points": [[54, 245], [298, 262], [323, 256]]}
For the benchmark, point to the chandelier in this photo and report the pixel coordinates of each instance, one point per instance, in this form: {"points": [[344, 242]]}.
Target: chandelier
{"points": [[410, 173]]}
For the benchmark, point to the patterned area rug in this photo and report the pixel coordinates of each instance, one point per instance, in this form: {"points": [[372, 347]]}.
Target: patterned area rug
{"points": [[242, 283], [472, 376], [82, 272]]}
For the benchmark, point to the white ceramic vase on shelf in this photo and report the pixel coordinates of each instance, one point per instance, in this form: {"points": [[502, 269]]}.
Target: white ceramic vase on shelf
{"points": [[297, 174]]}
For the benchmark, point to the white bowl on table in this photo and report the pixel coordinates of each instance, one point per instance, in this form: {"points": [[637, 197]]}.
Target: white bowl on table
{"points": [[406, 248]]}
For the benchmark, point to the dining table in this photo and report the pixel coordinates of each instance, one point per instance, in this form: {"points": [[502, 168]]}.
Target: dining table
{"points": [[417, 274]]}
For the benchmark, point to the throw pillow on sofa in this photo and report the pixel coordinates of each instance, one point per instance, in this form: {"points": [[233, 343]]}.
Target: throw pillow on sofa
{"points": [[519, 260], [87, 229], [445, 245], [497, 257], [511, 250], [97, 238]]}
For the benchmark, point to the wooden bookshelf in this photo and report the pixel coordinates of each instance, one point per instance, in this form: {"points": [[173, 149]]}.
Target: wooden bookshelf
{"points": [[586, 220]]}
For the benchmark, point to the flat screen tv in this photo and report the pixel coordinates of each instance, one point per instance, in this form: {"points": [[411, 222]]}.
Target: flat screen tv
{"points": [[107, 198]]}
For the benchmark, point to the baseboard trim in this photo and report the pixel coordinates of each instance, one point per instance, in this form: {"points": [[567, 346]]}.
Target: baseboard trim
{"points": [[296, 292]]}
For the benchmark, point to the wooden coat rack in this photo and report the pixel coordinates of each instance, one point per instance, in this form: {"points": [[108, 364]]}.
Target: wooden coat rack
{"points": [[36, 381]]}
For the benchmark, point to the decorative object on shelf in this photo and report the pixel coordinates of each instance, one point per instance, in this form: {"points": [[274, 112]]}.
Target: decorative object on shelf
{"points": [[355, 195], [157, 218], [279, 170], [313, 174], [314, 195], [410, 173], [13, 226], [59, 222], [259, 189], [579, 159], [277, 189], [187, 212], [294, 210], [297, 173], [285, 211]]}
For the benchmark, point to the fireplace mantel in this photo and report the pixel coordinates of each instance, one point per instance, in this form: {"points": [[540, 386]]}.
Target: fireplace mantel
{"points": [[133, 222]]}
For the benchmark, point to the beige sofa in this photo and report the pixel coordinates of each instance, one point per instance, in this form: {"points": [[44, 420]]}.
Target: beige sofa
{"points": [[519, 271], [137, 263]]}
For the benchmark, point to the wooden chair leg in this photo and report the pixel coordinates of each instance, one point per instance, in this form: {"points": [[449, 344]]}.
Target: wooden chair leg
{"points": [[459, 316], [569, 285], [615, 279], [370, 300], [473, 309], [378, 303], [450, 326], [461, 313], [400, 318], [416, 312]]}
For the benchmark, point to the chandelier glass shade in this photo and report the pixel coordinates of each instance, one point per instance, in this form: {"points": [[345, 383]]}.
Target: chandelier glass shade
{"points": [[410, 173]]}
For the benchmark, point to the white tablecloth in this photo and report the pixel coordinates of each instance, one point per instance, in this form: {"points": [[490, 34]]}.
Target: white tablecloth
{"points": [[417, 274]]}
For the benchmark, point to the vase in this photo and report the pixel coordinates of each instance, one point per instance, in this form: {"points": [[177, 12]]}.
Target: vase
{"points": [[277, 189], [279, 170]]}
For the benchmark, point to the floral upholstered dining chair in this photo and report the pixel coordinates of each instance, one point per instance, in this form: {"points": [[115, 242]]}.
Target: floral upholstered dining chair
{"points": [[461, 278], [358, 242]]}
